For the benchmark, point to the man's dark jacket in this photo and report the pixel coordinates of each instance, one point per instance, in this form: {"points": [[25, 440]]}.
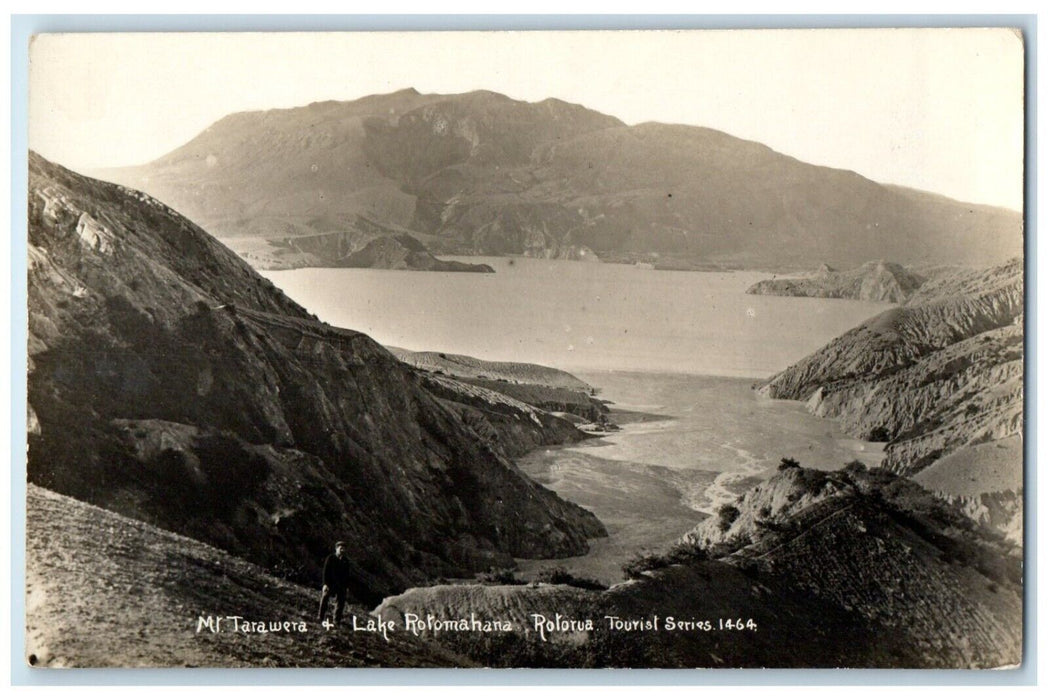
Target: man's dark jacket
{"points": [[337, 574]]}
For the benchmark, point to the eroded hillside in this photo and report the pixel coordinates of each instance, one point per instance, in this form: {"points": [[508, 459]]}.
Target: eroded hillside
{"points": [[171, 383], [103, 590], [872, 281], [852, 568], [941, 374]]}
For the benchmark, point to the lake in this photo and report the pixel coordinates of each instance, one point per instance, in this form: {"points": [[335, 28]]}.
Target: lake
{"points": [[684, 347], [581, 316]]}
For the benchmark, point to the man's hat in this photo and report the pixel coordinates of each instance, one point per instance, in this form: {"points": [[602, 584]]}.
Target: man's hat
{"points": [[340, 543]]}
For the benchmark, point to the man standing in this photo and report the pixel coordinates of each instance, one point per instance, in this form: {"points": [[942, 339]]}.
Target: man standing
{"points": [[336, 581]]}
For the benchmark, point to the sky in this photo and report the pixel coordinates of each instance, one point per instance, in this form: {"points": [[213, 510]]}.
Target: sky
{"points": [[936, 109]]}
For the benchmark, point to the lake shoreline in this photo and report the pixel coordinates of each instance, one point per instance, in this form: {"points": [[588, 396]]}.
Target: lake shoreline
{"points": [[673, 355], [706, 440], [580, 317]]}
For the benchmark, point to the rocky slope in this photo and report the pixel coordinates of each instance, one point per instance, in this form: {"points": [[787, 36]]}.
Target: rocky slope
{"points": [[466, 367], [872, 281], [940, 380], [103, 590], [482, 173], [507, 425], [942, 372], [849, 568], [171, 383]]}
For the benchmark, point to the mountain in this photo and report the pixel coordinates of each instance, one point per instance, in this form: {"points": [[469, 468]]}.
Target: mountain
{"points": [[169, 382], [872, 281], [482, 173], [938, 377], [816, 569]]}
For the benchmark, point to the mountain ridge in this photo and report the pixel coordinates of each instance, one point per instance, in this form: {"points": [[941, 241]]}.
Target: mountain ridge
{"points": [[485, 174]]}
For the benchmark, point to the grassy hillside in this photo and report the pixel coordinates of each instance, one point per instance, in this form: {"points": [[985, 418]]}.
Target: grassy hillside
{"points": [[103, 590]]}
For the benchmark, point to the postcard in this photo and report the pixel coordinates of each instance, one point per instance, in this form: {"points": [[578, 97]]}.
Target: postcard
{"points": [[552, 349]]}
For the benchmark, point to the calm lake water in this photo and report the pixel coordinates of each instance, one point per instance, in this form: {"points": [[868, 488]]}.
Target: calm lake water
{"points": [[579, 315], [684, 346]]}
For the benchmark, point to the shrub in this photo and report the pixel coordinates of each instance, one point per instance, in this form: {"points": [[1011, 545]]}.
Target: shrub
{"points": [[686, 551], [560, 575], [636, 567], [500, 577], [788, 463], [680, 553], [727, 514], [855, 466], [879, 434]]}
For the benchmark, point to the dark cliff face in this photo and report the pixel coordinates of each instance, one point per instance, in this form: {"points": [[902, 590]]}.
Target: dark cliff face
{"points": [[171, 383], [941, 374], [482, 173]]}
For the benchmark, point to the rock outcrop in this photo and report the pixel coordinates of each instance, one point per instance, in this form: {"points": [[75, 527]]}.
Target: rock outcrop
{"points": [[507, 424], [405, 253], [366, 244], [873, 281], [466, 367], [481, 173], [173, 384], [545, 388]]}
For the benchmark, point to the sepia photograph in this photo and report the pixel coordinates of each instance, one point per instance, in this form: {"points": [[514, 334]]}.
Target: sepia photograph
{"points": [[696, 349]]}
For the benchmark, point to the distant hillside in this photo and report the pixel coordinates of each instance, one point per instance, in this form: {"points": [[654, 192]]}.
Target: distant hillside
{"points": [[466, 367], [872, 281], [824, 569], [482, 173], [362, 247], [171, 383], [405, 253]]}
